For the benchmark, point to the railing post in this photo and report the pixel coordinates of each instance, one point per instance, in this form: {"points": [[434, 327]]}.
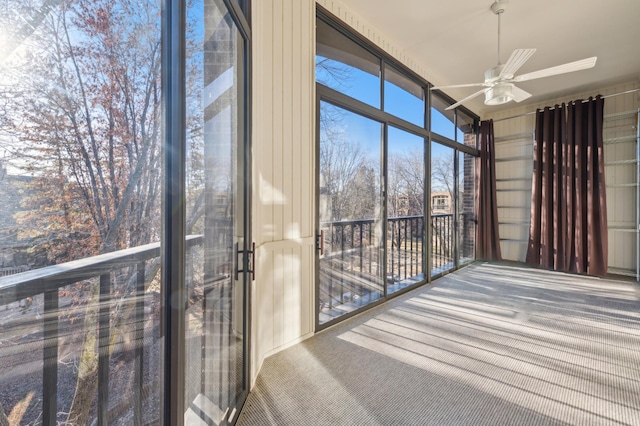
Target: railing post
{"points": [[392, 254], [50, 359], [103, 350], [332, 263], [405, 249], [341, 264], [434, 242], [411, 234], [361, 253], [353, 245], [423, 247], [138, 380], [450, 233], [370, 245], [399, 225]]}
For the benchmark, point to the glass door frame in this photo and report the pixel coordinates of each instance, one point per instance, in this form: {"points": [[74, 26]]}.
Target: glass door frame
{"points": [[173, 248]]}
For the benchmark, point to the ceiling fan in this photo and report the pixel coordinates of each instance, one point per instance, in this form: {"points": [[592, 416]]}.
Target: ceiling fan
{"points": [[499, 87]]}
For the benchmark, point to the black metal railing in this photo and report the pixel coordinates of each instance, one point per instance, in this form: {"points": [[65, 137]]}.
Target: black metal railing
{"points": [[47, 282], [405, 236], [351, 267], [442, 245]]}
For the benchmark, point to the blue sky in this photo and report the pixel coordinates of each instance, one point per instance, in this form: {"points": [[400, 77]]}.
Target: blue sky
{"points": [[365, 87]]}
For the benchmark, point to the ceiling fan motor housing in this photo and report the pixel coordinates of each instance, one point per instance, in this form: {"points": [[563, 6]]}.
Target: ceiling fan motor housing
{"points": [[493, 74]]}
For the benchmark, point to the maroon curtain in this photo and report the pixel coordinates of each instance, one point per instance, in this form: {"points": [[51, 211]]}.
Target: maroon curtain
{"points": [[487, 235], [568, 229]]}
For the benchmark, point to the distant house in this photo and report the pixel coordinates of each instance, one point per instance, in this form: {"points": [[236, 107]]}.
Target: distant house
{"points": [[441, 203]]}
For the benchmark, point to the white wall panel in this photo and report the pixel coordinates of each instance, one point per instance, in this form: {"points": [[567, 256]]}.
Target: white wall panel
{"points": [[283, 33]]}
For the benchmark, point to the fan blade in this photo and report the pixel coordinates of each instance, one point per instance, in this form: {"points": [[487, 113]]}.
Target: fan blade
{"points": [[459, 85], [560, 69], [480, 92], [516, 60], [520, 95]]}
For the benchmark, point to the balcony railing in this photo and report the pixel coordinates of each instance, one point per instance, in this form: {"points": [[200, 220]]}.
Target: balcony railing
{"points": [[405, 236], [46, 282], [442, 256], [351, 268]]}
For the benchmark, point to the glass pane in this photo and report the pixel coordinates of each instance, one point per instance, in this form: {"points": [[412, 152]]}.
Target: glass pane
{"points": [[405, 207], [350, 211], [80, 177], [442, 208], [466, 129], [466, 203], [214, 350], [403, 97], [343, 65], [441, 120]]}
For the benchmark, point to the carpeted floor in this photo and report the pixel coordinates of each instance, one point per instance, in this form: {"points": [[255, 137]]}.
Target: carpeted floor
{"points": [[491, 344]]}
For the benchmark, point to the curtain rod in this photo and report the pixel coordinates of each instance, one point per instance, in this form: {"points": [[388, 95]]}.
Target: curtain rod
{"points": [[533, 112]]}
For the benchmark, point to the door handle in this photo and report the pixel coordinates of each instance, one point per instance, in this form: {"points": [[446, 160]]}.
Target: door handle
{"points": [[320, 242], [251, 262], [252, 265], [237, 269]]}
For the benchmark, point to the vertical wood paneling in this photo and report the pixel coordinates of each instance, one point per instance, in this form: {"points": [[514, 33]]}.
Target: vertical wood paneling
{"points": [[293, 227], [283, 139], [307, 121], [287, 123], [278, 283], [291, 300], [307, 291], [264, 135], [279, 118]]}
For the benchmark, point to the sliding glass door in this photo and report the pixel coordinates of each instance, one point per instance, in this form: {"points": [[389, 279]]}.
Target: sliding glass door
{"points": [[216, 275]]}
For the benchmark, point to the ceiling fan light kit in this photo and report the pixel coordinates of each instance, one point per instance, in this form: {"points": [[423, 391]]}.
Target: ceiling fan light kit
{"points": [[499, 94], [498, 81]]}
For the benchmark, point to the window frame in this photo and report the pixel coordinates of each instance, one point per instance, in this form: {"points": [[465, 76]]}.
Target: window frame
{"points": [[173, 247], [326, 94]]}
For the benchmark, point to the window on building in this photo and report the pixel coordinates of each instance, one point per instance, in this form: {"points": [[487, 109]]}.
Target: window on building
{"points": [[440, 203]]}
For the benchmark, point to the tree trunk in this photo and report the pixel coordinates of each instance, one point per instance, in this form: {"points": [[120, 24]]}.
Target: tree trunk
{"points": [[87, 383]]}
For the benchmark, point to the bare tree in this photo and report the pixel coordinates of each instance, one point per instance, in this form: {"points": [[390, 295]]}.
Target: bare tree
{"points": [[82, 103], [332, 73], [442, 174], [405, 183], [348, 177]]}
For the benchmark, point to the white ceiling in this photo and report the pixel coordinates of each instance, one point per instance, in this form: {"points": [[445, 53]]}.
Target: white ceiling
{"points": [[456, 40]]}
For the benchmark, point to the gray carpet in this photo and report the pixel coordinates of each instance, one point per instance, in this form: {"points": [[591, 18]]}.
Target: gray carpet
{"points": [[492, 344]]}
